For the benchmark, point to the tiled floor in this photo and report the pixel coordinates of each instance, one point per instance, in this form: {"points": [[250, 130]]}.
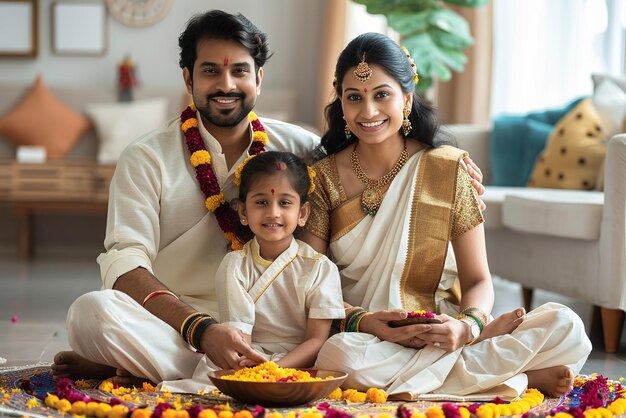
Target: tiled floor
{"points": [[38, 294]]}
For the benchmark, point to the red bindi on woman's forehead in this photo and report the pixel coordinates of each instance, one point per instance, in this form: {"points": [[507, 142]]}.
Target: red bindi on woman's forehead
{"points": [[225, 61], [272, 190], [365, 88]]}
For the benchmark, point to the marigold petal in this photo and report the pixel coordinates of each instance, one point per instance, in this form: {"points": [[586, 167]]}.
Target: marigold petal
{"points": [[188, 124], [261, 137], [200, 157], [213, 202]]}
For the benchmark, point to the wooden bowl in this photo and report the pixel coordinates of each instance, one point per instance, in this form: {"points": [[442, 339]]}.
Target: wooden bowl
{"points": [[279, 394]]}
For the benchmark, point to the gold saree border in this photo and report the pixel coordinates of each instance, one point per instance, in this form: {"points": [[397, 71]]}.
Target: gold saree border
{"points": [[345, 217], [429, 226]]}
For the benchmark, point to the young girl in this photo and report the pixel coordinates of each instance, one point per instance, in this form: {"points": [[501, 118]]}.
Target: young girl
{"points": [[277, 290]]}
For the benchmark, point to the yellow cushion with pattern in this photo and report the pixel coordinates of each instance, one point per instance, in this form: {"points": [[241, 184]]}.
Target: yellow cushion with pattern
{"points": [[574, 151], [41, 119]]}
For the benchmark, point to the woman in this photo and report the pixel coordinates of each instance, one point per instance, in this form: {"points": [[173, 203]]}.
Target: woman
{"points": [[396, 212]]}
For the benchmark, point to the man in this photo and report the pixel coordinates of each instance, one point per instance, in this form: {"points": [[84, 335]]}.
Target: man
{"points": [[162, 245]]}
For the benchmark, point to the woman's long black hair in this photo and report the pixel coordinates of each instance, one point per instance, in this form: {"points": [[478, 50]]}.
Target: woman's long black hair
{"points": [[383, 51]]}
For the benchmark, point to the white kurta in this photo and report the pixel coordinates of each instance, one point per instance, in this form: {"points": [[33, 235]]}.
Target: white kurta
{"points": [[371, 257], [273, 300], [157, 220]]}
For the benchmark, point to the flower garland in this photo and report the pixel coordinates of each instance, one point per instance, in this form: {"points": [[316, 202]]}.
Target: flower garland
{"points": [[201, 160]]}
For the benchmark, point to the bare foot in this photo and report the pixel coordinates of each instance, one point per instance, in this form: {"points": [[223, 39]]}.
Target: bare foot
{"points": [[504, 324], [127, 380], [553, 381], [71, 365]]}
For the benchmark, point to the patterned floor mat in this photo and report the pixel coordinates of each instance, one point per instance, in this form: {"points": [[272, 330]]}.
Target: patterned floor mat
{"points": [[23, 389]]}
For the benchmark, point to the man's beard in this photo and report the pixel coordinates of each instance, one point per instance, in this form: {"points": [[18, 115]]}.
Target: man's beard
{"points": [[227, 118]]}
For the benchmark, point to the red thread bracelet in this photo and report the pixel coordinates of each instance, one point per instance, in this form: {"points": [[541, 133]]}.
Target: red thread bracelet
{"points": [[157, 293]]}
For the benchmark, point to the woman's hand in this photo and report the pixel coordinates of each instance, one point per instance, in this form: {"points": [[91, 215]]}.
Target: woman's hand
{"points": [[449, 335], [377, 323]]}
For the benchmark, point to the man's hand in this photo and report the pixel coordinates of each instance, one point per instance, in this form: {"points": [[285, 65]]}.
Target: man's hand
{"points": [[377, 324], [477, 179], [225, 346]]}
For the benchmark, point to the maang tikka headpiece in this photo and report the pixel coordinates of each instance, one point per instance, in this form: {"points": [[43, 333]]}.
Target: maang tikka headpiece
{"points": [[363, 71]]}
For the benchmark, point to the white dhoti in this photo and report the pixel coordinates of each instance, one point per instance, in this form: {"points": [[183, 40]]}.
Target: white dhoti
{"points": [[109, 327], [551, 335]]}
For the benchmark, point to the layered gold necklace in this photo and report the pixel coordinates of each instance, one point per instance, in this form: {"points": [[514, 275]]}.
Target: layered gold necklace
{"points": [[372, 196]]}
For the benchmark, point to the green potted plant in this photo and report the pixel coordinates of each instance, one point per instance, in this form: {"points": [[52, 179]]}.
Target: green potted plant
{"points": [[435, 35]]}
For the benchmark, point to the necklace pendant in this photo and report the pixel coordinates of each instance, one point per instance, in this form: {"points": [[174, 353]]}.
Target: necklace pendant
{"points": [[370, 201]]}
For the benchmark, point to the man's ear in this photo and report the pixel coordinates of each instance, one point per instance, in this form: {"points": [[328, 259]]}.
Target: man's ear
{"points": [[188, 80], [305, 211], [259, 78]]}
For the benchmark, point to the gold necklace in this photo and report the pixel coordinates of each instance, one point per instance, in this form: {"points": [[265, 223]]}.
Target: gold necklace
{"points": [[372, 196]]}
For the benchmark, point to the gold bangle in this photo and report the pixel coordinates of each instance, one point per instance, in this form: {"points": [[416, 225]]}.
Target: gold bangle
{"points": [[479, 313], [182, 326], [192, 328], [358, 321]]}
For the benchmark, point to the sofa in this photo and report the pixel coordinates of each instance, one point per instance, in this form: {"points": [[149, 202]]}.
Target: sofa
{"points": [[571, 242]]}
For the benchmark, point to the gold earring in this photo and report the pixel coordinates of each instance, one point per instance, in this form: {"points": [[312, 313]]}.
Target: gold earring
{"points": [[347, 132], [406, 123]]}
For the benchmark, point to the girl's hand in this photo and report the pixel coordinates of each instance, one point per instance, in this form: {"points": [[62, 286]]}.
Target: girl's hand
{"points": [[246, 362], [377, 323], [449, 335]]}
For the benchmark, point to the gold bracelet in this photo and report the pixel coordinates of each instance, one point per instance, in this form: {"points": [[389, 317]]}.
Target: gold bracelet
{"points": [[182, 326], [479, 313], [192, 328], [358, 321]]}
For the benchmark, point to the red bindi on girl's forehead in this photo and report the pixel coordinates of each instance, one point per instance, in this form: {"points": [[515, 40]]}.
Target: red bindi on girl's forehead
{"points": [[272, 190], [365, 89], [225, 61]]}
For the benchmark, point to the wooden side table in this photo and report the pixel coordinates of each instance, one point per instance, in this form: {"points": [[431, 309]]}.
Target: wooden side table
{"points": [[53, 187]]}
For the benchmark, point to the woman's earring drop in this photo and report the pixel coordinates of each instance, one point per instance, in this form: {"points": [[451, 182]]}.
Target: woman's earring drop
{"points": [[406, 123]]}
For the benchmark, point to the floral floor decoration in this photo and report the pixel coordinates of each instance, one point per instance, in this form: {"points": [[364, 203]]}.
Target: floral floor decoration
{"points": [[31, 391]]}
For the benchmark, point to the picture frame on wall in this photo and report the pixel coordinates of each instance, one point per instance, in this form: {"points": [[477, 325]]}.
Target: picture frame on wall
{"points": [[18, 28], [78, 27]]}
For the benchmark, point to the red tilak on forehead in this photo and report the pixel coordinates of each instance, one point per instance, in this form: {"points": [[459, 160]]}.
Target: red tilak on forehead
{"points": [[272, 190], [225, 61], [365, 89]]}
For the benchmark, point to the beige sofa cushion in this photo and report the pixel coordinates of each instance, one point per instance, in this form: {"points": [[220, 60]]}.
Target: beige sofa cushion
{"points": [[560, 213]]}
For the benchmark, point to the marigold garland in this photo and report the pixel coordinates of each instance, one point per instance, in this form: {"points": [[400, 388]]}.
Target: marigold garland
{"points": [[200, 159]]}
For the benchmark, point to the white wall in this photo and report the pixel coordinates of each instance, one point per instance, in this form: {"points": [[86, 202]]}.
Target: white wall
{"points": [[294, 28]]}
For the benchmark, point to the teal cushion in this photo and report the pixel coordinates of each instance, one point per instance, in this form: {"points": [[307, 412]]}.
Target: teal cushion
{"points": [[517, 140]]}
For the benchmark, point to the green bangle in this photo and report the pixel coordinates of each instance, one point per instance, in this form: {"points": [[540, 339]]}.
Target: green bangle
{"points": [[478, 321]]}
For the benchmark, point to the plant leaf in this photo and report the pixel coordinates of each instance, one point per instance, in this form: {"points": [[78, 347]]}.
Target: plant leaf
{"points": [[467, 3], [406, 24], [387, 7]]}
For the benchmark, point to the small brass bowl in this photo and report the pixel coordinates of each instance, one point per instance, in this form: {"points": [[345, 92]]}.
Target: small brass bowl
{"points": [[279, 394]]}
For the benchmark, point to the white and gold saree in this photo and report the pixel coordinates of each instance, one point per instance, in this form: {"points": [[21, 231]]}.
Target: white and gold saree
{"points": [[401, 258]]}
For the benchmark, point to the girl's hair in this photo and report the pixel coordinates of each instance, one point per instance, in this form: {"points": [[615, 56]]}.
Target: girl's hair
{"points": [[383, 51], [216, 24], [268, 163]]}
